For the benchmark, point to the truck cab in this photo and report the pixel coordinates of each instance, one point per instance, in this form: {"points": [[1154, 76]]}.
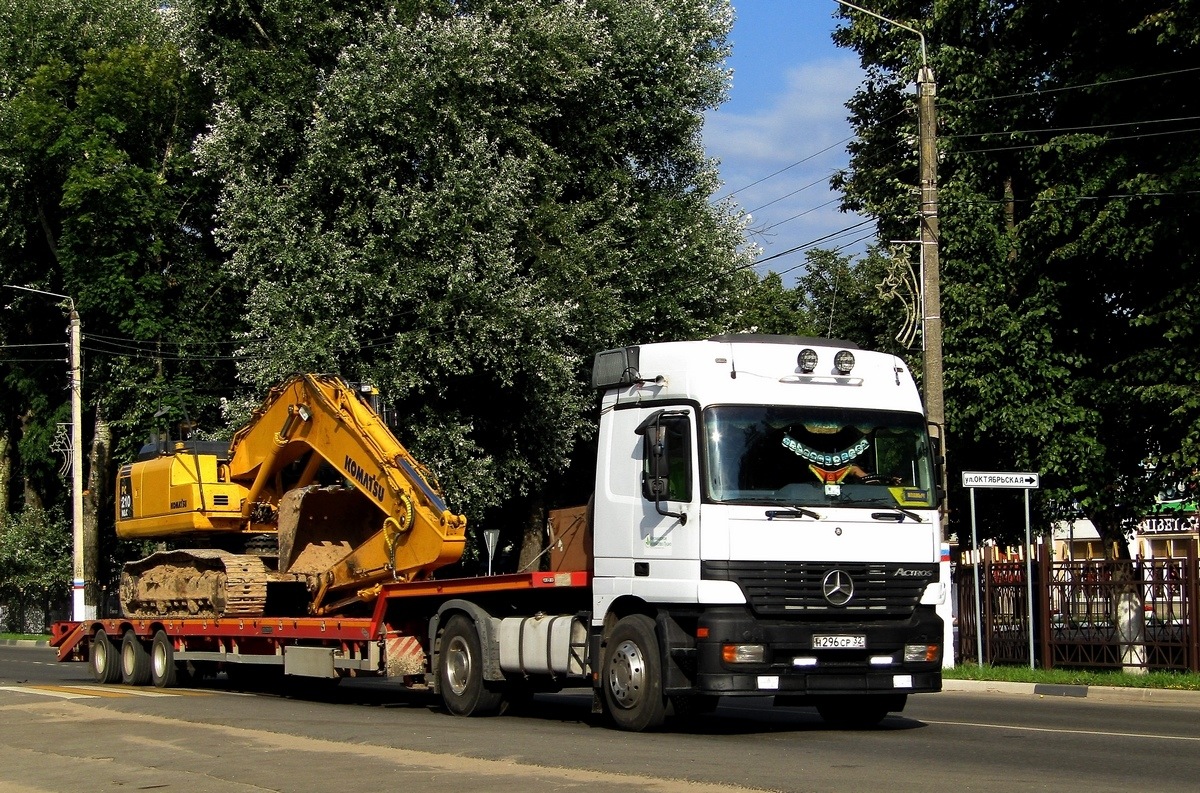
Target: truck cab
{"points": [[768, 507]]}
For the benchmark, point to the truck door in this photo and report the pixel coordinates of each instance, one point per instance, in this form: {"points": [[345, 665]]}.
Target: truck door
{"points": [[647, 526]]}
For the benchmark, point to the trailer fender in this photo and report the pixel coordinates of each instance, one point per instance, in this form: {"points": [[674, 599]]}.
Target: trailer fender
{"points": [[485, 624]]}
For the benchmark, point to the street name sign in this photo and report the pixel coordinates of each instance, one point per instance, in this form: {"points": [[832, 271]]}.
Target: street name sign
{"points": [[1015, 479]]}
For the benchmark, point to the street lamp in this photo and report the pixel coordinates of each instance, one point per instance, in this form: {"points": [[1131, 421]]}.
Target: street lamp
{"points": [[80, 608], [931, 296], [930, 279]]}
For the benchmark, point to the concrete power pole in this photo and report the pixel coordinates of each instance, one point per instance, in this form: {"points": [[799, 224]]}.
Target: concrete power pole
{"points": [[84, 556], [931, 294], [84, 547]]}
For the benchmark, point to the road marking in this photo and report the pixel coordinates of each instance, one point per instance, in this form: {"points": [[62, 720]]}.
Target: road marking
{"points": [[1099, 733], [100, 692], [113, 691], [45, 692]]}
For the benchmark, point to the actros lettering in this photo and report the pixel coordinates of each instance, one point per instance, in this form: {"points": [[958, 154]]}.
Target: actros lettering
{"points": [[916, 572], [369, 482]]}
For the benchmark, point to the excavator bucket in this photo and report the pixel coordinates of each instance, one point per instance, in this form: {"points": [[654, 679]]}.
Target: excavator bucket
{"points": [[318, 527]]}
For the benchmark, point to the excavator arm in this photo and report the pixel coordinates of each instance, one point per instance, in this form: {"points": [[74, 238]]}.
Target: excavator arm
{"points": [[315, 420]]}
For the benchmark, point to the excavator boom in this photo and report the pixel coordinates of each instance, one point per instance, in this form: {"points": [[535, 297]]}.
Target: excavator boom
{"points": [[315, 481]]}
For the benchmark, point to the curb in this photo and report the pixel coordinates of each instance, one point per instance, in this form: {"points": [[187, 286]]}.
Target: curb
{"points": [[1099, 693], [24, 643]]}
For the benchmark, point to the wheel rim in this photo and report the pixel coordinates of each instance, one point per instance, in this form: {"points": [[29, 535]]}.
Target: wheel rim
{"points": [[458, 665], [99, 656], [159, 658], [127, 658], [627, 674]]}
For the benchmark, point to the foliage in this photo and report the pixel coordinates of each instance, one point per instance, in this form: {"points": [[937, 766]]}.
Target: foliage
{"points": [[35, 560], [463, 201], [100, 200], [1066, 175]]}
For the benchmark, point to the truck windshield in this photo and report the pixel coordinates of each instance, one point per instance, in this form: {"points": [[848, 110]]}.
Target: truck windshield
{"points": [[817, 456]]}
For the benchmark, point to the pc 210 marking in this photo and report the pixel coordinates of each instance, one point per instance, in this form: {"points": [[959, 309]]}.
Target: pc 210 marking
{"points": [[843, 642]]}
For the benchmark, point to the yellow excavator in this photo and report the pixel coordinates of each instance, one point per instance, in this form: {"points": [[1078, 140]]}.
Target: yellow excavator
{"points": [[311, 508]]}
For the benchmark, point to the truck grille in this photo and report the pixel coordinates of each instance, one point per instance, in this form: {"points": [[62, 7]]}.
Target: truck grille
{"points": [[793, 588]]}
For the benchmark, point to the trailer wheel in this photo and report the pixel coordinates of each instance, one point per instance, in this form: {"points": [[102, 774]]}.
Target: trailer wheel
{"points": [[106, 660], [460, 671], [135, 660], [858, 712], [164, 673], [632, 676]]}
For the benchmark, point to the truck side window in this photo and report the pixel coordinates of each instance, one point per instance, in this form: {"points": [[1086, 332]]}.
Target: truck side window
{"points": [[666, 460]]}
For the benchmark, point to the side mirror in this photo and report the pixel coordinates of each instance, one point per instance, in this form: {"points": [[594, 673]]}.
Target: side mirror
{"points": [[656, 480]]}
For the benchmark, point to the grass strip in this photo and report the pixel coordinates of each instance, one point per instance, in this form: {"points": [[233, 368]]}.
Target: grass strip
{"points": [[1179, 681]]}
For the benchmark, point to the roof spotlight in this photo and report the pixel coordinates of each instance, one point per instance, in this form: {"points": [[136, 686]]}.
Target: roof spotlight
{"points": [[843, 361], [807, 360]]}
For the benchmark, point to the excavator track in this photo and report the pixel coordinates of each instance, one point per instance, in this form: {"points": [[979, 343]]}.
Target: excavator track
{"points": [[196, 583]]}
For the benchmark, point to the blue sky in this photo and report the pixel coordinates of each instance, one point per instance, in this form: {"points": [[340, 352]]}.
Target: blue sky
{"points": [[787, 104]]}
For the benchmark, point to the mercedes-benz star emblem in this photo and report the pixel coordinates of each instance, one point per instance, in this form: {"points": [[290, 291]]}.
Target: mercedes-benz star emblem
{"points": [[837, 587]]}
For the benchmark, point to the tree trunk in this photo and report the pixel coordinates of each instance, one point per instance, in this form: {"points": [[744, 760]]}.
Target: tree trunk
{"points": [[1129, 617], [5, 470], [32, 499], [94, 499]]}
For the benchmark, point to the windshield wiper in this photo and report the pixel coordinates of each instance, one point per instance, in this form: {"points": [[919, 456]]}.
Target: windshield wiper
{"points": [[795, 512], [898, 515]]}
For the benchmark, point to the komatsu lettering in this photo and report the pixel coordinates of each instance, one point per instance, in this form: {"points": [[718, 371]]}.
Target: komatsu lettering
{"points": [[369, 482]]}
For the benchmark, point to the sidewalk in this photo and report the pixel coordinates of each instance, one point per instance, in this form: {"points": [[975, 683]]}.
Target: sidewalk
{"points": [[1109, 693]]}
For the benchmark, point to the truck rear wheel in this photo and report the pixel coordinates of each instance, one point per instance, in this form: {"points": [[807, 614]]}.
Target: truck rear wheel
{"points": [[105, 658], [163, 671], [632, 676], [135, 660], [460, 671]]}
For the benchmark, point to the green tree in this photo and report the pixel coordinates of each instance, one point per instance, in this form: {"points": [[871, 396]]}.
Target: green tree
{"points": [[35, 566], [464, 201], [100, 200], [1067, 173]]}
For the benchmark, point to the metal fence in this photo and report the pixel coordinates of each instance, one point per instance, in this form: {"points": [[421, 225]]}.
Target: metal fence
{"points": [[1095, 614]]}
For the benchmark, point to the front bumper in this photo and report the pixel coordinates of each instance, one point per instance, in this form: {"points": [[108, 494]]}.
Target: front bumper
{"points": [[791, 665]]}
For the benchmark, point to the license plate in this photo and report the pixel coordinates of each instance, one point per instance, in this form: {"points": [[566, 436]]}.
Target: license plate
{"points": [[853, 642]]}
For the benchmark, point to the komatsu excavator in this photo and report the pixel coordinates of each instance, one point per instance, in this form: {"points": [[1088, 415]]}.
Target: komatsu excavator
{"points": [[311, 508]]}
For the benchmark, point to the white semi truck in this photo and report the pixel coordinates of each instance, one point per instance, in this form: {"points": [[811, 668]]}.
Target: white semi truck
{"points": [[764, 522]]}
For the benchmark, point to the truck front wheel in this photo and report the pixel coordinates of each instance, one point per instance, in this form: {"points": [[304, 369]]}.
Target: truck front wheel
{"points": [[106, 660], [632, 676], [460, 671]]}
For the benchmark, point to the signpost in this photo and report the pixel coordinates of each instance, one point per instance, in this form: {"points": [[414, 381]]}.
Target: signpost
{"points": [[490, 537], [1005, 480]]}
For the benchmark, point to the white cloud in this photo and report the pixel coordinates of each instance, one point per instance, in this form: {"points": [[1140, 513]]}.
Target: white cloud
{"points": [[804, 126]]}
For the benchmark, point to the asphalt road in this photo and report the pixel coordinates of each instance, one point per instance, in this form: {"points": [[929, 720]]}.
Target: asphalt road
{"points": [[58, 731]]}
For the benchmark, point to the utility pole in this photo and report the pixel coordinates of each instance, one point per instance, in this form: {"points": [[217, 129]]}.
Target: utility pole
{"points": [[80, 572], [930, 277], [931, 293]]}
